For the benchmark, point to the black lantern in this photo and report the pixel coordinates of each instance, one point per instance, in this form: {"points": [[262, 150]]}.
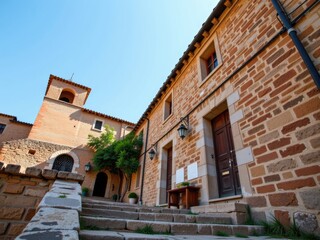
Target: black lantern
{"points": [[87, 167], [184, 127], [152, 153], [182, 130]]}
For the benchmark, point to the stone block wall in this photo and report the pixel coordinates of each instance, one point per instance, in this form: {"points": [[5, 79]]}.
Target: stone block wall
{"points": [[21, 193], [274, 108]]}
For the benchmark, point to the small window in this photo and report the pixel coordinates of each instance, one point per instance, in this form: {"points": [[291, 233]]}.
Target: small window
{"points": [[98, 124], [2, 127], [168, 107], [210, 58]]}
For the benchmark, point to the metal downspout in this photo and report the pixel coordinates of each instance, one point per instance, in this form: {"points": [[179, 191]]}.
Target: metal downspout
{"points": [[144, 162], [293, 34]]}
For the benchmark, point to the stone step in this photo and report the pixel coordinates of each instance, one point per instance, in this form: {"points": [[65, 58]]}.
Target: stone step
{"points": [[167, 227], [111, 235], [163, 217], [134, 208]]}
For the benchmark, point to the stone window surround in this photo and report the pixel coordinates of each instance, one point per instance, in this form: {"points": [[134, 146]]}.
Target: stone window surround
{"points": [[52, 158], [166, 116], [94, 123], [207, 49]]}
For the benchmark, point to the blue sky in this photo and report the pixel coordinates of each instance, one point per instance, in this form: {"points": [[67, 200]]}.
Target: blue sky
{"points": [[123, 50]]}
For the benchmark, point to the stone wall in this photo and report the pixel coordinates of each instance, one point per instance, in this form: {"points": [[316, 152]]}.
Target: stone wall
{"points": [[29, 153], [21, 193], [274, 109]]}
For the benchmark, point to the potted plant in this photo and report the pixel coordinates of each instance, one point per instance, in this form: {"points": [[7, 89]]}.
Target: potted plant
{"points": [[183, 184], [85, 191], [132, 197]]}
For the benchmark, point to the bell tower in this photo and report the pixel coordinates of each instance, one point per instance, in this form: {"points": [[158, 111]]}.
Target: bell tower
{"points": [[67, 91]]}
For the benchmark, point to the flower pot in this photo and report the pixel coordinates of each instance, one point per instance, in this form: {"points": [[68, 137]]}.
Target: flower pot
{"points": [[132, 200]]}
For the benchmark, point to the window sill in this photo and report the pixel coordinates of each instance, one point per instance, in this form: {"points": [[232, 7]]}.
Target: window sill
{"points": [[96, 130], [167, 119], [202, 81]]}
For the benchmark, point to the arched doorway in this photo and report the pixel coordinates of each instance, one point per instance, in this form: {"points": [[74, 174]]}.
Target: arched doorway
{"points": [[63, 162], [100, 185]]}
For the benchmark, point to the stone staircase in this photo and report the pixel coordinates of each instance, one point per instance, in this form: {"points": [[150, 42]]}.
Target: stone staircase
{"points": [[101, 219]]}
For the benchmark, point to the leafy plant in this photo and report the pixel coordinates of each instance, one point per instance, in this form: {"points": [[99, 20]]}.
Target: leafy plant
{"points": [[114, 197], [132, 195], [221, 234], [240, 235], [117, 156], [62, 196], [183, 184], [249, 218], [146, 230]]}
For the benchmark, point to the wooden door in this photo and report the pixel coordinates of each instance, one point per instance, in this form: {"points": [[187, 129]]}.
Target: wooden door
{"points": [[227, 168], [169, 170]]}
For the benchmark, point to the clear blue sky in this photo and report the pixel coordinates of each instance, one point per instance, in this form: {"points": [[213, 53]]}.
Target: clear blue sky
{"points": [[122, 49]]}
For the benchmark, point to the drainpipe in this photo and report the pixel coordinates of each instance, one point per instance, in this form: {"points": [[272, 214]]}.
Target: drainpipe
{"points": [[293, 34], [144, 161]]}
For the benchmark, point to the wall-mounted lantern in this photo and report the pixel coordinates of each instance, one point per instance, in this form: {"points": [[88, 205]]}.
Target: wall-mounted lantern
{"points": [[87, 167], [184, 127], [153, 152]]}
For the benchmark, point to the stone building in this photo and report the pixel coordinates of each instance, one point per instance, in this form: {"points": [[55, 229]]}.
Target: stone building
{"points": [[251, 109], [58, 137]]}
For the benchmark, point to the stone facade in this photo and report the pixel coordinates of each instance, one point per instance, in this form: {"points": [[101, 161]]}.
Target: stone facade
{"points": [[273, 105]]}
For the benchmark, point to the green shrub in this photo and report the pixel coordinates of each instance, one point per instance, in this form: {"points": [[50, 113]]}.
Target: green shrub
{"points": [[132, 195]]}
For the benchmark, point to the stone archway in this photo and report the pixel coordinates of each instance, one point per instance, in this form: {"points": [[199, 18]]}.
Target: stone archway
{"points": [[63, 162], [53, 157]]}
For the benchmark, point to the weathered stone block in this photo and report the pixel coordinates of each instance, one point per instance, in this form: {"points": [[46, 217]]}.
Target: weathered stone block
{"points": [[157, 227], [54, 219], [308, 132], [12, 168], [3, 227], [146, 216], [33, 172], [35, 192], [311, 198], [16, 228], [306, 222], [283, 199], [179, 218], [19, 201], [177, 228], [296, 184], [49, 174], [311, 157], [162, 217], [204, 229], [257, 201], [55, 200], [221, 228], [11, 213], [281, 165], [283, 217], [61, 235], [29, 215], [13, 188]]}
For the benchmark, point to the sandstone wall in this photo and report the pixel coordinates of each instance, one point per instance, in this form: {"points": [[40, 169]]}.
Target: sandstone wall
{"points": [[20, 194], [273, 105]]}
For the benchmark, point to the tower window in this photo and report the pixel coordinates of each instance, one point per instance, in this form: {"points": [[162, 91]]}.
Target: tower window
{"points": [[2, 127], [168, 107], [66, 96]]}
